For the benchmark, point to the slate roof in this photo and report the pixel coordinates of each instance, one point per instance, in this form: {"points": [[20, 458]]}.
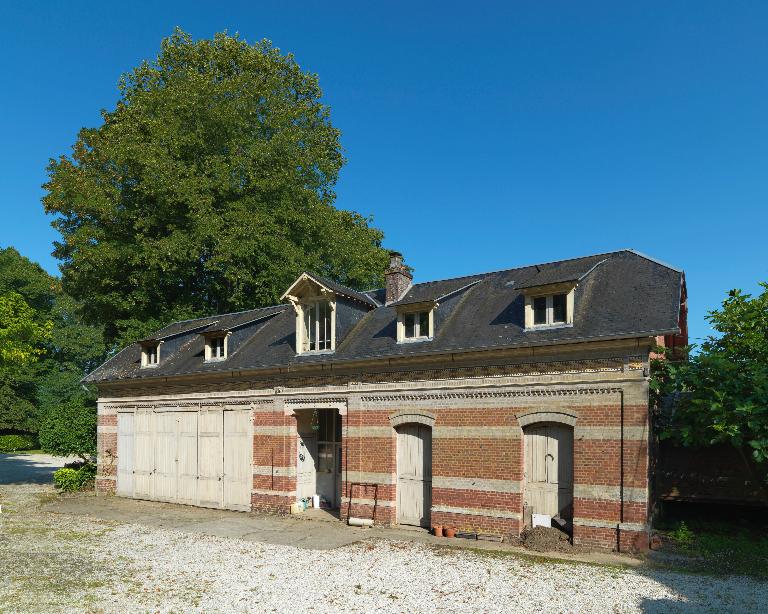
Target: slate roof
{"points": [[621, 294]]}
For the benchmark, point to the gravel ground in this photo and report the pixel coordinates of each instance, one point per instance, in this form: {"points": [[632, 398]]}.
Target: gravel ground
{"points": [[54, 563]]}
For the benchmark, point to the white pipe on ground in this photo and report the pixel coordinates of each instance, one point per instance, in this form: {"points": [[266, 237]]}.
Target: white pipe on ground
{"points": [[360, 522]]}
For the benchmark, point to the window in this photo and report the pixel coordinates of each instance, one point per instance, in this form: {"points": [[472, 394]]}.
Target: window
{"points": [[559, 308], [217, 347], [414, 326], [549, 310], [317, 335], [150, 355], [540, 310]]}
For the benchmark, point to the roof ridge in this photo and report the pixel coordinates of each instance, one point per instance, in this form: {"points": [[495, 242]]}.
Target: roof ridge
{"points": [[527, 266]]}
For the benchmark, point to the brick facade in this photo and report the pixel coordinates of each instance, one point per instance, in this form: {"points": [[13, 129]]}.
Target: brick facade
{"points": [[477, 403]]}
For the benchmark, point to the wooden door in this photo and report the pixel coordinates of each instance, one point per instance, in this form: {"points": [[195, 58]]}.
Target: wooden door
{"points": [[549, 469], [144, 454], [166, 449], [125, 453], [414, 474], [238, 469], [187, 457], [306, 469], [210, 465]]}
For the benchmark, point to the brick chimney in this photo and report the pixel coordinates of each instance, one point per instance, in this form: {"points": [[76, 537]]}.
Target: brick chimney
{"points": [[398, 278]]}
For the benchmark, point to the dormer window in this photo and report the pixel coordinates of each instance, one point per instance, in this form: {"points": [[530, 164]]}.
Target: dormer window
{"points": [[150, 353], [415, 325], [216, 347], [317, 331], [543, 310]]}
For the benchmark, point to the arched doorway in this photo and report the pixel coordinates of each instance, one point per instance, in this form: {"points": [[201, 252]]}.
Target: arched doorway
{"points": [[414, 474], [549, 469]]}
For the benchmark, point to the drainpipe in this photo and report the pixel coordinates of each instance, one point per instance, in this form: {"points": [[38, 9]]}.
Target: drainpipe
{"points": [[621, 472]]}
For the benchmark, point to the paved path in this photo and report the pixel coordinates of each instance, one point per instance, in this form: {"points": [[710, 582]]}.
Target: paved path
{"points": [[29, 468], [299, 531]]}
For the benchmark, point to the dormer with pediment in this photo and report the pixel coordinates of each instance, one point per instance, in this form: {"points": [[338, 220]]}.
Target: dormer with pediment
{"points": [[325, 312]]}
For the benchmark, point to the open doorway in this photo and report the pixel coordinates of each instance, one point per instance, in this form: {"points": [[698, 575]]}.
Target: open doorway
{"points": [[318, 463]]}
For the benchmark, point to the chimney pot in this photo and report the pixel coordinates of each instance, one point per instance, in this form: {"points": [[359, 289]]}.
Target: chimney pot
{"points": [[398, 278]]}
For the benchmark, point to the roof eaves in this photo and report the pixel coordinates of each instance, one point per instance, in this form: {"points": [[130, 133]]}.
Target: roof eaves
{"points": [[550, 342]]}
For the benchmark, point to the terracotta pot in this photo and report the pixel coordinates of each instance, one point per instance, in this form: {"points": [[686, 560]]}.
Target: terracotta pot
{"points": [[449, 531], [437, 530]]}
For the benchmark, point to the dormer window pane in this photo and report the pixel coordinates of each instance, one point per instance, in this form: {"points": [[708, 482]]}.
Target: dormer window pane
{"points": [[217, 347], [559, 308], [152, 355], [317, 326], [423, 324], [410, 325], [540, 310]]}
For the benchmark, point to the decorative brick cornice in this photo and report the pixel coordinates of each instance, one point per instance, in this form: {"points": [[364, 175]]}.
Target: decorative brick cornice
{"points": [[488, 394], [293, 404]]}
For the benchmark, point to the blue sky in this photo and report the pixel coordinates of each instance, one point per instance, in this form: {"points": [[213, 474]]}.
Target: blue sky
{"points": [[480, 136]]}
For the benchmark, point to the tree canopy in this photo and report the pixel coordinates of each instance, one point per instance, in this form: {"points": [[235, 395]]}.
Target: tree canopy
{"points": [[721, 393], [45, 346], [208, 188]]}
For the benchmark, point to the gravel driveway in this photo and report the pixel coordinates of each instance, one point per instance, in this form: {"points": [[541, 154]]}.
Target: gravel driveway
{"points": [[59, 563]]}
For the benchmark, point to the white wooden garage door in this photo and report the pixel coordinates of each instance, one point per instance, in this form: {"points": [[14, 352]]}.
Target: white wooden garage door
{"points": [[193, 457]]}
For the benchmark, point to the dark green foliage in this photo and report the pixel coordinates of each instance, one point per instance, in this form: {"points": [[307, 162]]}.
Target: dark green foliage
{"points": [[71, 479], [207, 189], [29, 390], [15, 443], [70, 430], [721, 394]]}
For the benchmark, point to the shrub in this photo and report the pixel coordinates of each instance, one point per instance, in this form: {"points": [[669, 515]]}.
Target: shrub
{"points": [[13, 443], [72, 480], [70, 430]]}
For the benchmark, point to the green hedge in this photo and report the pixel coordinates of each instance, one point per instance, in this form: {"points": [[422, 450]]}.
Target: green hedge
{"points": [[71, 480], [14, 443]]}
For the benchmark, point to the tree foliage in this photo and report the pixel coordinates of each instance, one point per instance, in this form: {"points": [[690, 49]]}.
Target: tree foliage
{"points": [[721, 393], [21, 336], [208, 188], [70, 430], [62, 346]]}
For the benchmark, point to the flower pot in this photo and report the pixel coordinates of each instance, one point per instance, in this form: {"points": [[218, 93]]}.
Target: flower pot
{"points": [[437, 530], [449, 531]]}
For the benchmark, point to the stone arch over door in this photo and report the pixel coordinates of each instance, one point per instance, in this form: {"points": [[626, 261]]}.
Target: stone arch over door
{"points": [[548, 463]]}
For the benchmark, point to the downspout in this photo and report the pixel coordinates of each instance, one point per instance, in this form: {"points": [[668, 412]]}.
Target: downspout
{"points": [[621, 472]]}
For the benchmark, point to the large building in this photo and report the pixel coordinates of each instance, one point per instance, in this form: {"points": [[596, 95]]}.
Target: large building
{"points": [[472, 402]]}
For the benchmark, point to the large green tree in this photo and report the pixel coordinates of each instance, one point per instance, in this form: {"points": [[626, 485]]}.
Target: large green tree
{"points": [[721, 393], [208, 188], [46, 346]]}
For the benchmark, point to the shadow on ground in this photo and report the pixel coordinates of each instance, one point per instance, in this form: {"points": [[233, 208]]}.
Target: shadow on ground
{"points": [[28, 468]]}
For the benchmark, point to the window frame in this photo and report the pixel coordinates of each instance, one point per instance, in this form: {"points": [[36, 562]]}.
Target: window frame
{"points": [[417, 326], [209, 347], [146, 363], [549, 296], [304, 321]]}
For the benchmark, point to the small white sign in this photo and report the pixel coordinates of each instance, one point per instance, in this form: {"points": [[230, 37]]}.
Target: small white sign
{"points": [[542, 520]]}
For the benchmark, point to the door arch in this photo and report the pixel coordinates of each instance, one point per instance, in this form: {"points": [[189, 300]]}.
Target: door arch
{"points": [[548, 450], [414, 474]]}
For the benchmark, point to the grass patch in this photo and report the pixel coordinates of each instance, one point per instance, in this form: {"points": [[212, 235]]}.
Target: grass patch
{"points": [[719, 548]]}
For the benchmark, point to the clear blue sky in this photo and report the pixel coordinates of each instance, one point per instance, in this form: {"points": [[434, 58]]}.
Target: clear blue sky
{"points": [[479, 135]]}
